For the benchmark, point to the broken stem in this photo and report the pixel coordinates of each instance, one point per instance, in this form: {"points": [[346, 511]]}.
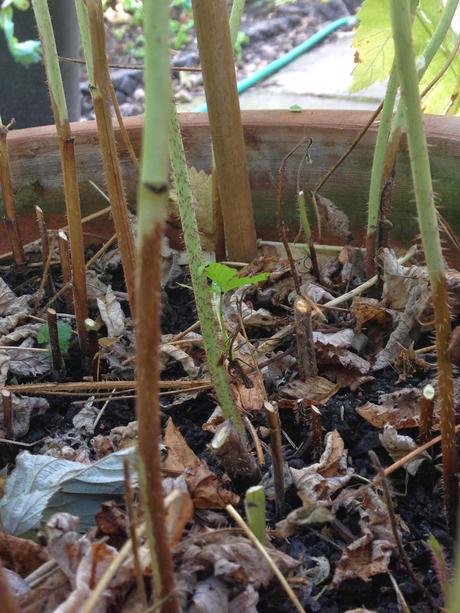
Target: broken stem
{"points": [[45, 249], [56, 356], [231, 451], [306, 356], [7, 405], [426, 413]]}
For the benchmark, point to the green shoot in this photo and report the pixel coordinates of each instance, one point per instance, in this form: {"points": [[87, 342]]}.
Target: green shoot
{"points": [[254, 505], [225, 278]]}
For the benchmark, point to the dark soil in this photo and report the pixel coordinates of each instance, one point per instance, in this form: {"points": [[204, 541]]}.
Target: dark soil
{"points": [[417, 500]]}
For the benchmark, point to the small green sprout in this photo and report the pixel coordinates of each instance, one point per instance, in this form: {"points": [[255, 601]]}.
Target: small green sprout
{"points": [[224, 279]]}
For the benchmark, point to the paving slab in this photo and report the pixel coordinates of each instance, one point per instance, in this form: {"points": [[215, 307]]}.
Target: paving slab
{"points": [[319, 79]]}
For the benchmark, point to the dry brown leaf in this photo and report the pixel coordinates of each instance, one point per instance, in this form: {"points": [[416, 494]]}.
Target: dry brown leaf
{"points": [[21, 554], [112, 521], [314, 390], [48, 594], [233, 559], [246, 380], [179, 511], [179, 455], [370, 554], [111, 312], [399, 409], [347, 377], [120, 437], [399, 446], [216, 418], [316, 484], [206, 490], [333, 220]]}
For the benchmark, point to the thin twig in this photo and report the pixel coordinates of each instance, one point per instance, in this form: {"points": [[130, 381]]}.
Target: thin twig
{"points": [[132, 66]]}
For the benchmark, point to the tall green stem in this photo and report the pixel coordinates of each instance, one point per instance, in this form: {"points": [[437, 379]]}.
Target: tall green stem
{"points": [[209, 327], [235, 19], [428, 223], [378, 162], [69, 166], [389, 134], [152, 211]]}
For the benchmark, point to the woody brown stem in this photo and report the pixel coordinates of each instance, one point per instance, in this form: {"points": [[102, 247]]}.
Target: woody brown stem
{"points": [[6, 187], [100, 92], [216, 55], [237, 461]]}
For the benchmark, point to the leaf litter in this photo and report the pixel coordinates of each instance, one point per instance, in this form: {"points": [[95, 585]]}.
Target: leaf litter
{"points": [[334, 527]]}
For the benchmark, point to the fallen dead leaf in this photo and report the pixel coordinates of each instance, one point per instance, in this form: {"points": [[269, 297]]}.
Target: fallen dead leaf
{"points": [[399, 409], [370, 554], [22, 555], [179, 456], [399, 446], [314, 390]]}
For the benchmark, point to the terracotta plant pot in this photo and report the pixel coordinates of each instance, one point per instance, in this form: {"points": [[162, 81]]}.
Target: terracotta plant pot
{"points": [[269, 135]]}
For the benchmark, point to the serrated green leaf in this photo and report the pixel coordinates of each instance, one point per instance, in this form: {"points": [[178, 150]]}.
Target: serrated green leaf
{"points": [[226, 279], [374, 50]]}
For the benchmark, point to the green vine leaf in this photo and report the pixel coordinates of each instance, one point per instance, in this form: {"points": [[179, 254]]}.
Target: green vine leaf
{"points": [[225, 278], [374, 52]]}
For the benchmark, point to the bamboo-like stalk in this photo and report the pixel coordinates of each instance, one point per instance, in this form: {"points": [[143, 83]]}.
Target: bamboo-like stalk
{"points": [[68, 163], [6, 187], [390, 129], [209, 328], [428, 223], [254, 505], [152, 211], [92, 28], [216, 55]]}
